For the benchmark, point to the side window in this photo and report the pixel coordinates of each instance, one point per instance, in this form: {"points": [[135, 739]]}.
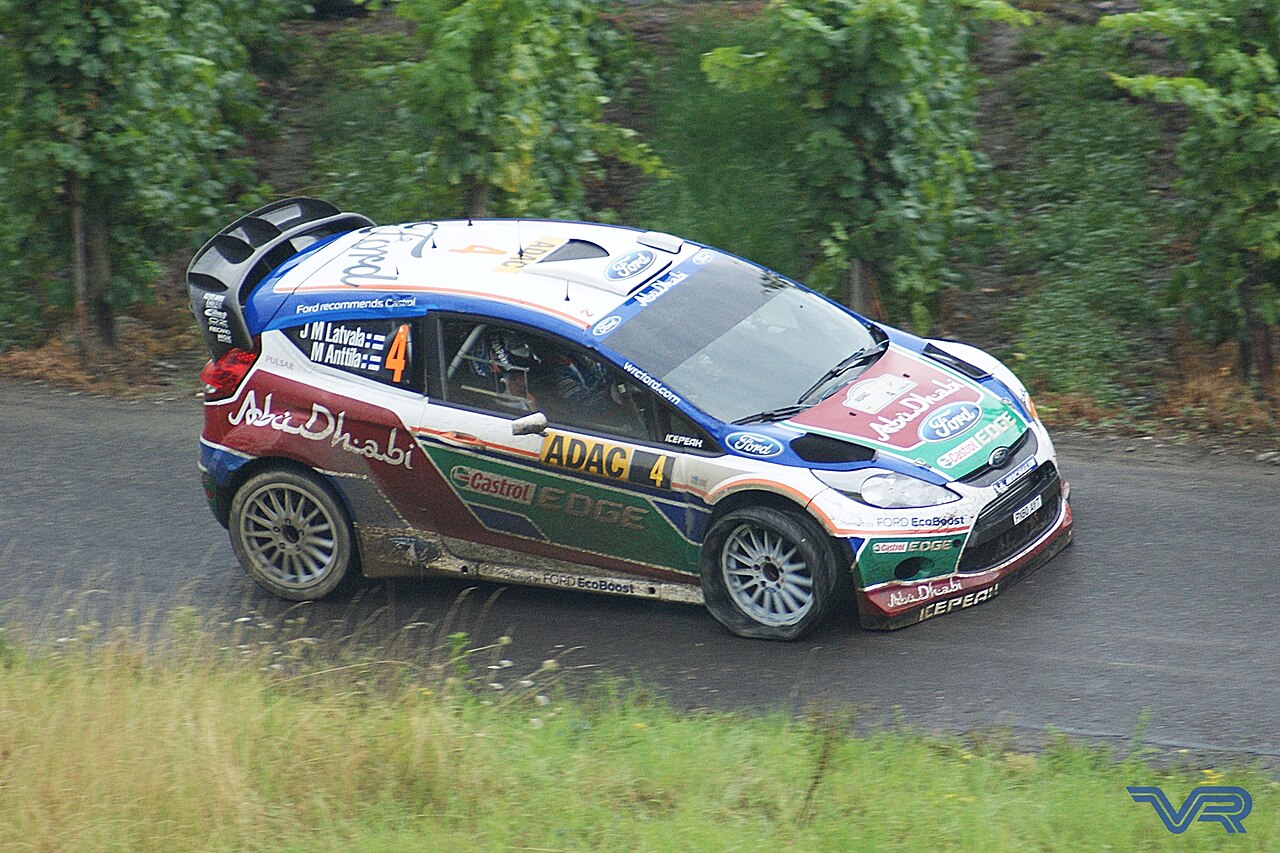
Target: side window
{"points": [[388, 351], [510, 372], [678, 431], [487, 367]]}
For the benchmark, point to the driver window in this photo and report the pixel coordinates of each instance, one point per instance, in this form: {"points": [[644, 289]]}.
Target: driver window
{"points": [[510, 372]]}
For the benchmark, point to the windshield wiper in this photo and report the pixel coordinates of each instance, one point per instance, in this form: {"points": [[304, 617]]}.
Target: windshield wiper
{"points": [[772, 414], [858, 359]]}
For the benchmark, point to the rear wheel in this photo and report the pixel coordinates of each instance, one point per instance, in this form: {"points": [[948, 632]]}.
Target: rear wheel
{"points": [[291, 535], [768, 573]]}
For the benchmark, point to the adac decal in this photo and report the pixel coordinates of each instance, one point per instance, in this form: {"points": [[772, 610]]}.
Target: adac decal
{"points": [[629, 265], [531, 253], [918, 410], [604, 459], [753, 444]]}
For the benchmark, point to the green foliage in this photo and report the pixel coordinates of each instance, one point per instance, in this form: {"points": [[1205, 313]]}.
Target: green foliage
{"points": [[138, 102], [886, 146], [1227, 153], [501, 110], [368, 150], [726, 152], [1084, 226]]}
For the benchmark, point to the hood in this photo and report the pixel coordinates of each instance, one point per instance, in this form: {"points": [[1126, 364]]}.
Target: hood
{"points": [[916, 409]]}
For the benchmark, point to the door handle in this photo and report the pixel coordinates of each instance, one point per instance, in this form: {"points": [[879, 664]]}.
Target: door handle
{"points": [[461, 439]]}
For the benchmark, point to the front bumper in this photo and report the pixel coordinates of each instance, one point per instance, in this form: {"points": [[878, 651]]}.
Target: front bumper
{"points": [[898, 605]]}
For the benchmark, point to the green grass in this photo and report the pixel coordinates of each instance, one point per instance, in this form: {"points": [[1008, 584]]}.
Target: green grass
{"points": [[726, 151], [267, 744]]}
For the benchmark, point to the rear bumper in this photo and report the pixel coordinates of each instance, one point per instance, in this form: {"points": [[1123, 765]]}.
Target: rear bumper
{"points": [[899, 605]]}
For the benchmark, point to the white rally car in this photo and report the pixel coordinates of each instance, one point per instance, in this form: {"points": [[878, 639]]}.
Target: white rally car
{"points": [[589, 407]]}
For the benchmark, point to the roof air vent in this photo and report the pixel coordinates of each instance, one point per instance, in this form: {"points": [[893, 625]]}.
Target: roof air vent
{"points": [[576, 250], [658, 240]]}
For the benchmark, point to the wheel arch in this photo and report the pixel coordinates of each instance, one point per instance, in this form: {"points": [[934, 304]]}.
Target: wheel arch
{"points": [[761, 497], [279, 463]]}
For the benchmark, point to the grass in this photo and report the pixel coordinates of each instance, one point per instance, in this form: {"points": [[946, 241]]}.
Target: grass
{"points": [[269, 744]]}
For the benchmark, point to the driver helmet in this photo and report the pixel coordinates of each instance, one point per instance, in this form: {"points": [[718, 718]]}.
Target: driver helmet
{"points": [[505, 358]]}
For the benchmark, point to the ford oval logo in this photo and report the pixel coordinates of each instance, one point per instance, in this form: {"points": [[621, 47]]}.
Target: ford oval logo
{"points": [[629, 264], [950, 421], [753, 444], [607, 325]]}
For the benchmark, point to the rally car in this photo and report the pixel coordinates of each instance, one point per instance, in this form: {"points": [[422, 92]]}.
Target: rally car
{"points": [[591, 407]]}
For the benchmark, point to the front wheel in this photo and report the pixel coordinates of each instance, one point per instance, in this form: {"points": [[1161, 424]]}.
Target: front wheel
{"points": [[291, 535], [768, 573]]}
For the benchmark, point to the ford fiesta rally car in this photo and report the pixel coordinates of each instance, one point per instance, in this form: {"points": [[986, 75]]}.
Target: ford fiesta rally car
{"points": [[590, 407]]}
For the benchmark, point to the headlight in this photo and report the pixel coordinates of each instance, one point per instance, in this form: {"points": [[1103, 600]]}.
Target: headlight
{"points": [[1029, 406], [886, 489]]}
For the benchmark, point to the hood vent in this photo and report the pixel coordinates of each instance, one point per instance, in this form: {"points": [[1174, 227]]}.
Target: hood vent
{"points": [[823, 450], [957, 364]]}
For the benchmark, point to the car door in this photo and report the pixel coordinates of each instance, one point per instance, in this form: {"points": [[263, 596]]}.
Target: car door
{"points": [[596, 486]]}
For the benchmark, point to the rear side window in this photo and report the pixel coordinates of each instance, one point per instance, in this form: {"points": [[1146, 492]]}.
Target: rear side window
{"points": [[387, 351]]}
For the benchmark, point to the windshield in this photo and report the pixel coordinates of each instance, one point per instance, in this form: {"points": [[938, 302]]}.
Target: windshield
{"points": [[735, 340]]}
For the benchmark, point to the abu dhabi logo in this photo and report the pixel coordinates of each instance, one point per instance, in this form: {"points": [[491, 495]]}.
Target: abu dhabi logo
{"points": [[1224, 804]]}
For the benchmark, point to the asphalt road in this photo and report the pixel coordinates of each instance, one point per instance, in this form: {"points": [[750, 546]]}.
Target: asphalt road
{"points": [[1166, 606]]}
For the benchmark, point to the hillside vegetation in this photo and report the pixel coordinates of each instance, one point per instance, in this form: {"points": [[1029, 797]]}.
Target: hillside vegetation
{"points": [[1020, 176]]}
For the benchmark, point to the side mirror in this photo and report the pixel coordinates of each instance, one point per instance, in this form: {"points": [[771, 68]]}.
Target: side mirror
{"points": [[531, 424]]}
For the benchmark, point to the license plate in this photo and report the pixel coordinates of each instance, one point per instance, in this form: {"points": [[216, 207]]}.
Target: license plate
{"points": [[1031, 506]]}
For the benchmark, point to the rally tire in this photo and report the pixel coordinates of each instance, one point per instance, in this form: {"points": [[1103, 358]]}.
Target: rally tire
{"points": [[292, 535], [768, 573]]}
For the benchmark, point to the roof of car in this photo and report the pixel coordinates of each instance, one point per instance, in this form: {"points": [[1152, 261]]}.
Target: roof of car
{"points": [[577, 273]]}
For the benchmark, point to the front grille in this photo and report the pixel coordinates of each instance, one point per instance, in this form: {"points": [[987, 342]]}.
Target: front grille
{"points": [[995, 538], [1020, 451]]}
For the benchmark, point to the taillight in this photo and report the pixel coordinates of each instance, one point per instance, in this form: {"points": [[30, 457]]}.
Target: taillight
{"points": [[221, 378]]}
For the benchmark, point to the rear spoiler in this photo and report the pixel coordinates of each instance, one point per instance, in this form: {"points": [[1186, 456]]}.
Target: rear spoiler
{"points": [[225, 271]]}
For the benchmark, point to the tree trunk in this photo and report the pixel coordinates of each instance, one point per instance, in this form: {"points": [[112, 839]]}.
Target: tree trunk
{"points": [[85, 340], [1255, 335], [98, 255], [90, 270], [478, 199], [860, 290]]}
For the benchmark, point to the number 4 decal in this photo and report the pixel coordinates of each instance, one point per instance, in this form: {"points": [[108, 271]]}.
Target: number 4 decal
{"points": [[477, 249], [657, 474], [395, 360]]}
